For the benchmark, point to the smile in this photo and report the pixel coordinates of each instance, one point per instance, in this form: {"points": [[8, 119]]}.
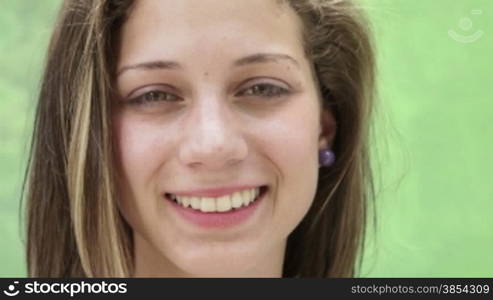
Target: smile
{"points": [[224, 203]]}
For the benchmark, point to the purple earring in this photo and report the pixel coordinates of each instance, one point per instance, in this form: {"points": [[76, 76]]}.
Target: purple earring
{"points": [[326, 158]]}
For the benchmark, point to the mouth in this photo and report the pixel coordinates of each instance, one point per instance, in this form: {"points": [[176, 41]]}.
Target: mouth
{"points": [[226, 203]]}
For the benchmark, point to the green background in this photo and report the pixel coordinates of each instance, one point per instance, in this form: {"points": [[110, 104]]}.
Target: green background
{"points": [[433, 134]]}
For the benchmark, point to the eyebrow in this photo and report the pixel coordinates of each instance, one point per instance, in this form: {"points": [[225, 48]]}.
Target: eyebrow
{"points": [[151, 65], [258, 58], [264, 58]]}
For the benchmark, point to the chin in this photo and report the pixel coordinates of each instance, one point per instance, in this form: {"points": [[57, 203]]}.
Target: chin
{"points": [[217, 266], [219, 260]]}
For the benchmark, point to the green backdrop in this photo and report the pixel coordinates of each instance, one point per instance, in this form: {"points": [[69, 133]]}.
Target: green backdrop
{"points": [[433, 133]]}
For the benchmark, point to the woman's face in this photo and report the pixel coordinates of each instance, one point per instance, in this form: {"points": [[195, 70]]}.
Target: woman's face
{"points": [[217, 107]]}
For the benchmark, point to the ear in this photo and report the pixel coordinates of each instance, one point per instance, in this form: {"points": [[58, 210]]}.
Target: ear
{"points": [[328, 128]]}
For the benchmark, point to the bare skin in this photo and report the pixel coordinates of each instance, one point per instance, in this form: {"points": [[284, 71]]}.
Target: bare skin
{"points": [[201, 105]]}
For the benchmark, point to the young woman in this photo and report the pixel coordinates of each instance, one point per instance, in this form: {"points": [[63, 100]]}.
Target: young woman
{"points": [[202, 138]]}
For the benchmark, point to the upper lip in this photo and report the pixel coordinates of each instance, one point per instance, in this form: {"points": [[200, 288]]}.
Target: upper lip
{"points": [[213, 192]]}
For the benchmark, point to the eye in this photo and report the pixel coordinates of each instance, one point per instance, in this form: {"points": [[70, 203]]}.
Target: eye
{"points": [[264, 90], [154, 96]]}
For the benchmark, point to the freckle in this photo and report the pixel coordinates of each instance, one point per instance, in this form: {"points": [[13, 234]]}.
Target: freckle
{"points": [[206, 74]]}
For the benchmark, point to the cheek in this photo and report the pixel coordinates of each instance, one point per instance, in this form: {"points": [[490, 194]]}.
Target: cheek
{"points": [[140, 147], [291, 144], [291, 138]]}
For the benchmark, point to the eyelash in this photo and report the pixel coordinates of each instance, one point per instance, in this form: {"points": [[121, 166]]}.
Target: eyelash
{"points": [[280, 91], [147, 97]]}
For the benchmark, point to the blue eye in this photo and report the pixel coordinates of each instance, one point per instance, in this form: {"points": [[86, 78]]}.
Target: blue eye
{"points": [[265, 90], [154, 96]]}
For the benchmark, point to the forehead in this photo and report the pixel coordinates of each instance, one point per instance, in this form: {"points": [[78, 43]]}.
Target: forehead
{"points": [[171, 28]]}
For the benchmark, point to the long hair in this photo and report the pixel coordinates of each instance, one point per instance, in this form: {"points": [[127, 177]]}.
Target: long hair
{"points": [[74, 226], [329, 241]]}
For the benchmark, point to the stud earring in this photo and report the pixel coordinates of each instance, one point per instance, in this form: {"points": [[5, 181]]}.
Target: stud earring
{"points": [[326, 158]]}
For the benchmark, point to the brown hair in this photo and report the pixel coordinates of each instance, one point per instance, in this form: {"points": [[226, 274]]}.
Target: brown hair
{"points": [[74, 227]]}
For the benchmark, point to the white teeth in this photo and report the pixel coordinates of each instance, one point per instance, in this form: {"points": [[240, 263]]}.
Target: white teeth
{"points": [[246, 197], [185, 201], [221, 204], [208, 205], [195, 203], [237, 200]]}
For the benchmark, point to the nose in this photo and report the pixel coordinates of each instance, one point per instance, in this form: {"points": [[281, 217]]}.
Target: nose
{"points": [[212, 138]]}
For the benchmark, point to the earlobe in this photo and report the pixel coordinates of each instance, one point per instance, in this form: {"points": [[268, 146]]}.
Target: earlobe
{"points": [[328, 126]]}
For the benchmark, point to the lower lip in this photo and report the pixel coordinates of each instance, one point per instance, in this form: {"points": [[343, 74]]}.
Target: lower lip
{"points": [[227, 219]]}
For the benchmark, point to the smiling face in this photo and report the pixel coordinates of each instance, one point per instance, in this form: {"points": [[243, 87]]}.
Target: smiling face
{"points": [[216, 107]]}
